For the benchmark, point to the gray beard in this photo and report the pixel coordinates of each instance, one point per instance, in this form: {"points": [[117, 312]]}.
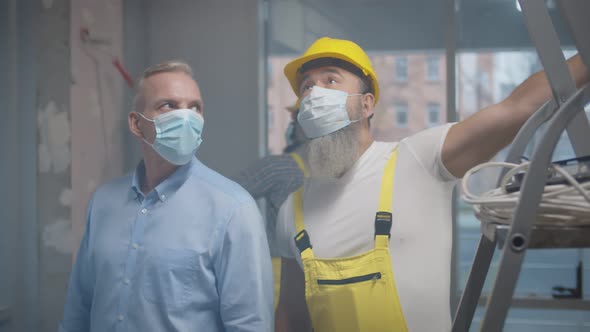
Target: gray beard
{"points": [[333, 155]]}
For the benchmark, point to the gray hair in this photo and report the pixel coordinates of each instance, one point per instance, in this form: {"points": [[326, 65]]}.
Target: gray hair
{"points": [[162, 67]]}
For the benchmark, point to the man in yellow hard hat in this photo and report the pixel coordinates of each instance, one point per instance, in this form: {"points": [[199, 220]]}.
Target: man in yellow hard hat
{"points": [[367, 240]]}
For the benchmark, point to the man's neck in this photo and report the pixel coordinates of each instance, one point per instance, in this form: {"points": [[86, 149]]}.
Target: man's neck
{"points": [[365, 140], [156, 170]]}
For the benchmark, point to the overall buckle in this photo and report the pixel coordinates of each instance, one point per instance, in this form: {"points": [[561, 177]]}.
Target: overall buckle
{"points": [[383, 222], [302, 241]]}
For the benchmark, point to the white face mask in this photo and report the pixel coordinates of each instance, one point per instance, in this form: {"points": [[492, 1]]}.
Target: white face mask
{"points": [[323, 112]]}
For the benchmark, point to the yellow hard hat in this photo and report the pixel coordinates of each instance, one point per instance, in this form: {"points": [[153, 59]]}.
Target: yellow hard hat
{"points": [[332, 48]]}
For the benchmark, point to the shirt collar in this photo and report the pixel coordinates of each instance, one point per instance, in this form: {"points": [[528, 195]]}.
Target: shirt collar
{"points": [[169, 186]]}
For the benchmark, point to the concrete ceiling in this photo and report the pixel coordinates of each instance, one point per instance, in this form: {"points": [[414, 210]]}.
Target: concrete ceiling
{"points": [[419, 24]]}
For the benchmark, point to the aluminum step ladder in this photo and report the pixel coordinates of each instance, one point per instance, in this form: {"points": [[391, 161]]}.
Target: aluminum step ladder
{"points": [[565, 112]]}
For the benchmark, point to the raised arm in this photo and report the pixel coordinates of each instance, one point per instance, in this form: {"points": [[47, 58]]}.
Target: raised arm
{"points": [[478, 138]]}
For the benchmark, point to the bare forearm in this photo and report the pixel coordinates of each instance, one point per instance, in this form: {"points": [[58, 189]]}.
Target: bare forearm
{"points": [[481, 136], [466, 146], [535, 90]]}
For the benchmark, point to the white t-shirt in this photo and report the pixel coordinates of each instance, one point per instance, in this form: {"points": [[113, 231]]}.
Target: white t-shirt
{"points": [[340, 215]]}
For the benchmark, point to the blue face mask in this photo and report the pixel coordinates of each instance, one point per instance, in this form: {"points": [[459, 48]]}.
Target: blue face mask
{"points": [[323, 112], [178, 135]]}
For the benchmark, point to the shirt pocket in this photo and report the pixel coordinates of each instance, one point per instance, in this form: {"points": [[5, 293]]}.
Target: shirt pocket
{"points": [[170, 277]]}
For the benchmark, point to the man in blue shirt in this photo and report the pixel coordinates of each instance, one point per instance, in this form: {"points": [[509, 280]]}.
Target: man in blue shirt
{"points": [[173, 246]]}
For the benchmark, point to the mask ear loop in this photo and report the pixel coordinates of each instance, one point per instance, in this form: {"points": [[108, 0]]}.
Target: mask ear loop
{"points": [[357, 120], [142, 134]]}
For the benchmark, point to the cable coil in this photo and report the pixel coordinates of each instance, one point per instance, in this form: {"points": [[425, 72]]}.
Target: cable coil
{"points": [[561, 204]]}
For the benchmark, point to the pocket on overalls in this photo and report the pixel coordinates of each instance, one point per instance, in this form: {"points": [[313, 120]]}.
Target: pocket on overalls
{"points": [[351, 280], [356, 303]]}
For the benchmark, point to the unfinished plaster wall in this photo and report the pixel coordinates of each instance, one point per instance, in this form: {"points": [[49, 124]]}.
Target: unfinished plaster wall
{"points": [[79, 132], [96, 103]]}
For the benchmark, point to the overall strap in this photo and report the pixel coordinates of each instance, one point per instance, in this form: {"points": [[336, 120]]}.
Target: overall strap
{"points": [[384, 217]]}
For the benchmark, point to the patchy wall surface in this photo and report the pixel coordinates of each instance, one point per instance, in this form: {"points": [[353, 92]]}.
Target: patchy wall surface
{"points": [[79, 132], [96, 103]]}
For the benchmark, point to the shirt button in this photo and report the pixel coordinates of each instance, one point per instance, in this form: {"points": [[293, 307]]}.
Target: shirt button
{"points": [[120, 318], [144, 210], [163, 197], [135, 246], [126, 281]]}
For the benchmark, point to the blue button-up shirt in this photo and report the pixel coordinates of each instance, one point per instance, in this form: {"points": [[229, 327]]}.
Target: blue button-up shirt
{"points": [[191, 255]]}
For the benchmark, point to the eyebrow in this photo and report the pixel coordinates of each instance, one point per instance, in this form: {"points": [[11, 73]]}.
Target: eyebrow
{"points": [[327, 70], [197, 102]]}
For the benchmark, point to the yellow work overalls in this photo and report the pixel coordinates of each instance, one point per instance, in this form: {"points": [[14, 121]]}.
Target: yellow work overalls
{"points": [[276, 261], [353, 293]]}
